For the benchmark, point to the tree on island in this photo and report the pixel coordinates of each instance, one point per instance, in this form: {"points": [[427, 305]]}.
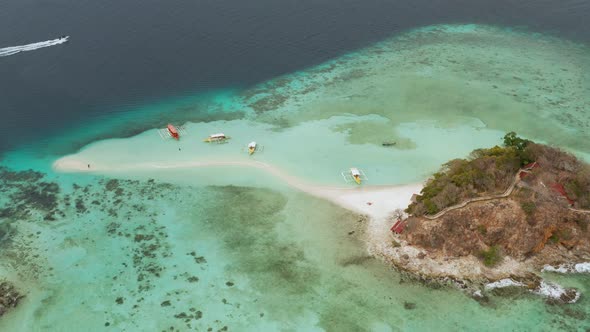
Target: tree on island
{"points": [[398, 214], [512, 140]]}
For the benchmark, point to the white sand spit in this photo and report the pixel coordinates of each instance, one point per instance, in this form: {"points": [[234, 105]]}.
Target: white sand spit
{"points": [[375, 201]]}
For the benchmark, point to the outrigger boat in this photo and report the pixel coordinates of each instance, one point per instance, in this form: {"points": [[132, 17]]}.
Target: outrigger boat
{"points": [[216, 138], [251, 148], [173, 132], [354, 174]]}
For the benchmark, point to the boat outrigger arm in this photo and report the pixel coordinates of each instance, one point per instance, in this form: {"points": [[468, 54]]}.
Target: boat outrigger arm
{"points": [[354, 174]]}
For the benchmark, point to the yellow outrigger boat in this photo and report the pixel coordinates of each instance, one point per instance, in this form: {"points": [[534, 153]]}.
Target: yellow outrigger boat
{"points": [[216, 138], [356, 175], [252, 148]]}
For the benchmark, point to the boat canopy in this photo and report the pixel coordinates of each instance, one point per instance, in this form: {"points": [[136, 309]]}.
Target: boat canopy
{"points": [[252, 145], [220, 135], [355, 172], [172, 129]]}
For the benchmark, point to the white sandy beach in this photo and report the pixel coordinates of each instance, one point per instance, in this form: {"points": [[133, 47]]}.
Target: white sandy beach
{"points": [[375, 201]]}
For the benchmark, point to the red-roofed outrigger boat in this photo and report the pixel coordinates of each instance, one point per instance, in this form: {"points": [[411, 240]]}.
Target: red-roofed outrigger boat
{"points": [[173, 132]]}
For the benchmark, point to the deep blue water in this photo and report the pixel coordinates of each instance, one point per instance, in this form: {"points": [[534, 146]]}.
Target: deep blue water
{"points": [[125, 53]]}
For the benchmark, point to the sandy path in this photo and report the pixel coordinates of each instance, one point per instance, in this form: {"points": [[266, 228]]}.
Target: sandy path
{"points": [[383, 199], [377, 202]]}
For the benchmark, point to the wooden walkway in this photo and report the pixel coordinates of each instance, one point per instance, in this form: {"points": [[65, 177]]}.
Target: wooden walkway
{"points": [[487, 198], [579, 210]]}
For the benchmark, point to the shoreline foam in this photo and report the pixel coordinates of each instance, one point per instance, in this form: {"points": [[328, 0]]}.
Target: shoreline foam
{"points": [[568, 268]]}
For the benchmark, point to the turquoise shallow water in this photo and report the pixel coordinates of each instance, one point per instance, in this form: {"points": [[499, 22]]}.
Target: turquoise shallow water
{"points": [[235, 249], [139, 254]]}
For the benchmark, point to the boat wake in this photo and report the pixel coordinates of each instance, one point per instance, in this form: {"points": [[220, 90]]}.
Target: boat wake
{"points": [[6, 51]]}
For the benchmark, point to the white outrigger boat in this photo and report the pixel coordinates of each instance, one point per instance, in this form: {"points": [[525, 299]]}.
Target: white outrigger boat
{"points": [[216, 138], [354, 174], [252, 147]]}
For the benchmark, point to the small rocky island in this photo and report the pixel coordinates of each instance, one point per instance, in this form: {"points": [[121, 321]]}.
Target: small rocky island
{"points": [[503, 213]]}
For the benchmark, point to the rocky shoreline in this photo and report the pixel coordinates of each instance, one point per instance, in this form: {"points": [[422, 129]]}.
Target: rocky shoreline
{"points": [[467, 273], [478, 286], [497, 220], [568, 268]]}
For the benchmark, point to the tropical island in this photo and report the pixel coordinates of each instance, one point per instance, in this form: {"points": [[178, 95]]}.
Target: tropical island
{"points": [[504, 212], [128, 224]]}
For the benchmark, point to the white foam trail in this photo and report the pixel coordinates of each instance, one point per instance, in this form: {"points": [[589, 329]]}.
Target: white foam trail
{"points": [[31, 47]]}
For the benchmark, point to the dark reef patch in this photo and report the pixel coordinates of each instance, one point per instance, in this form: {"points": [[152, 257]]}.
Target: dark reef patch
{"points": [[357, 260], [9, 297], [25, 195], [409, 305], [19, 176], [269, 260]]}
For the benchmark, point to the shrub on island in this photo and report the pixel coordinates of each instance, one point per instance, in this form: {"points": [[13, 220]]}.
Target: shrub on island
{"points": [[492, 256], [491, 171]]}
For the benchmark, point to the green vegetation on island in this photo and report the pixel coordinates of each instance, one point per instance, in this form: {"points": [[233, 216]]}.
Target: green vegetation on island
{"points": [[492, 171], [523, 200], [491, 256]]}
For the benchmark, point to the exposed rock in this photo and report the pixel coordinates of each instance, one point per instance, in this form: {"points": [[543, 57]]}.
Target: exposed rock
{"points": [[553, 238]]}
